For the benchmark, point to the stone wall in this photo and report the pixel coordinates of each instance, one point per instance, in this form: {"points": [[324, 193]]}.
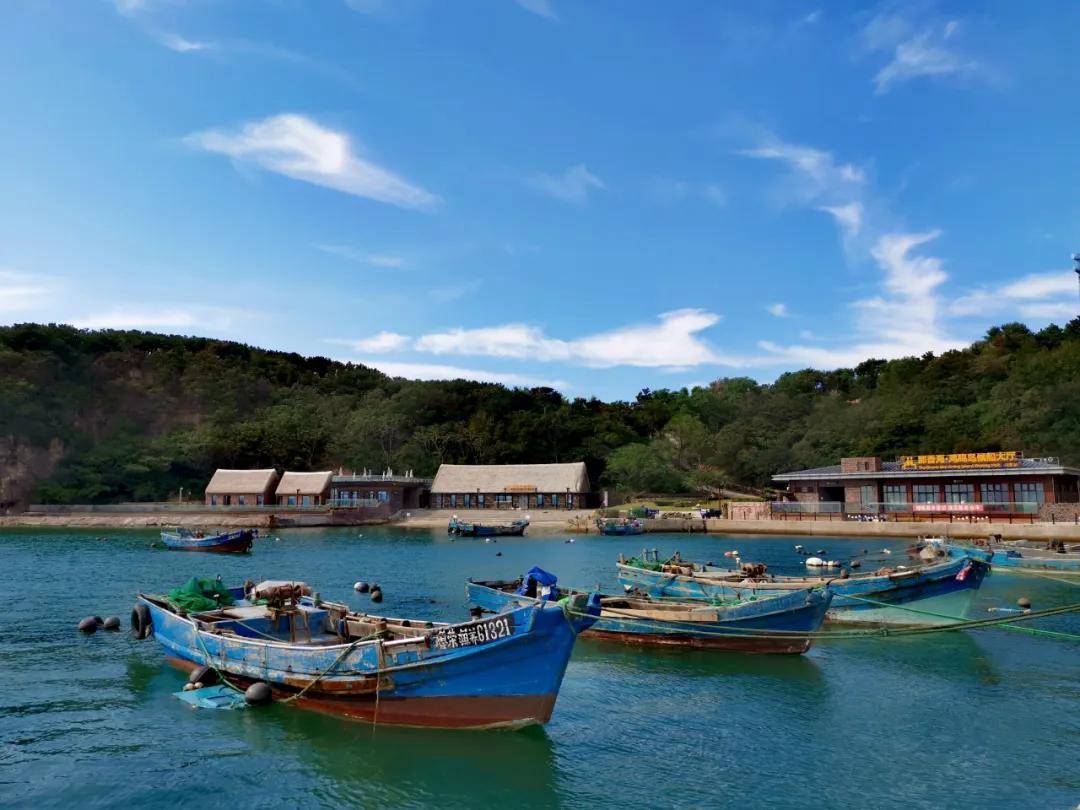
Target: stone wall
{"points": [[1059, 513]]}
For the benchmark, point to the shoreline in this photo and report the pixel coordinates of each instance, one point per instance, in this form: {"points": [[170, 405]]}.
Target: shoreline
{"points": [[569, 522]]}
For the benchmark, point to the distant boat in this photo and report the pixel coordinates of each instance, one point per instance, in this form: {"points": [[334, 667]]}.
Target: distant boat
{"points": [[754, 626], [237, 542], [464, 528], [620, 526], [502, 671], [934, 594]]}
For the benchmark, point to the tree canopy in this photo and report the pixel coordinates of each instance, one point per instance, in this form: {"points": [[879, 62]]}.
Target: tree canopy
{"points": [[125, 415]]}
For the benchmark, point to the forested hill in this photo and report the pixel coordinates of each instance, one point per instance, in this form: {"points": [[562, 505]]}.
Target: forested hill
{"points": [[91, 416]]}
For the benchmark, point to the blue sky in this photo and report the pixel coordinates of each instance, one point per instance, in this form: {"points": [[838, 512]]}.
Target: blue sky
{"points": [[595, 196]]}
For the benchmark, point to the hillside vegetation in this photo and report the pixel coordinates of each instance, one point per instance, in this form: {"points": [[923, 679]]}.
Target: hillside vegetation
{"points": [[100, 416]]}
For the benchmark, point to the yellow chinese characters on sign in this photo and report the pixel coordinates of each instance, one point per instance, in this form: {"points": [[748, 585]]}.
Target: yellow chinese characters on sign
{"points": [[951, 461]]}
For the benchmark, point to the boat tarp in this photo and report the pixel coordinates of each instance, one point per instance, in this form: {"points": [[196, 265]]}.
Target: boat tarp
{"points": [[538, 582]]}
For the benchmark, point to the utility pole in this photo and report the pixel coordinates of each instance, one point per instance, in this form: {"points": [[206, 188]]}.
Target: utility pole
{"points": [[1076, 259]]}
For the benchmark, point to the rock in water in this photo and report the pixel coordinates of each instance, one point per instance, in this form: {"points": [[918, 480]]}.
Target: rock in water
{"points": [[112, 623], [361, 587], [258, 694], [88, 625], [376, 594], [1024, 602]]}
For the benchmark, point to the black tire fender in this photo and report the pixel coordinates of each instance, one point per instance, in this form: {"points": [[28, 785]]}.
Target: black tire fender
{"points": [[141, 624]]}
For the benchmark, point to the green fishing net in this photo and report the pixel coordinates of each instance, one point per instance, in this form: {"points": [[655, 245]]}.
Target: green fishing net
{"points": [[197, 595], [648, 565]]}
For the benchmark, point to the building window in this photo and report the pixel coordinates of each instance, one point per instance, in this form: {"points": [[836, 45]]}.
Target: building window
{"points": [[959, 493], [925, 493], [1028, 492], [306, 500], [258, 500], [213, 500], [291, 501], [555, 501], [240, 500], [895, 497], [480, 501], [539, 501], [995, 493], [868, 494]]}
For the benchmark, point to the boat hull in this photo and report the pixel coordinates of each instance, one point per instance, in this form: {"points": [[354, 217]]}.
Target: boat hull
{"points": [[479, 530], [754, 626], [231, 543], [509, 682], [935, 595]]}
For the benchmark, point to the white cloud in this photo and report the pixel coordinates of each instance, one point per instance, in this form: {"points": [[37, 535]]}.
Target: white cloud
{"points": [[384, 260], [20, 292], [381, 343], [916, 53], [1028, 295], [848, 216], [302, 149], [778, 310], [175, 42], [431, 371], [904, 321], [571, 186], [818, 167], [673, 341], [196, 318], [541, 8]]}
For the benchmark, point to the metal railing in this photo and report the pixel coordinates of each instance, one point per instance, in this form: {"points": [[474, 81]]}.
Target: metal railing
{"points": [[1023, 511]]}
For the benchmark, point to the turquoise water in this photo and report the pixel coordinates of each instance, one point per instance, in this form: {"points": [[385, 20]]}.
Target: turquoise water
{"points": [[977, 719]]}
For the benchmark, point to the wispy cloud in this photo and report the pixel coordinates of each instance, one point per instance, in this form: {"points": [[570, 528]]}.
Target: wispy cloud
{"points": [[175, 42], [377, 344], [1041, 296], [384, 260], [541, 8], [813, 174], [20, 292], [573, 185], [778, 310], [906, 316], [300, 148], [848, 216], [923, 51], [196, 318], [433, 371], [673, 341]]}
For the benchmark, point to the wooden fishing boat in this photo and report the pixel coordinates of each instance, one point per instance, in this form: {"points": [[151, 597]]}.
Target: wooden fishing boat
{"points": [[1050, 558], [934, 594], [464, 528], [502, 671], [620, 526], [771, 624], [237, 542]]}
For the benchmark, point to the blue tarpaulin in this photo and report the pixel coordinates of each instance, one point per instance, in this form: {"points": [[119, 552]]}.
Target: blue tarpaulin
{"points": [[535, 581]]}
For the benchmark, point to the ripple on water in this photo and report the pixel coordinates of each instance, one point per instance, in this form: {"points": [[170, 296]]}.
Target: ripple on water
{"points": [[913, 723]]}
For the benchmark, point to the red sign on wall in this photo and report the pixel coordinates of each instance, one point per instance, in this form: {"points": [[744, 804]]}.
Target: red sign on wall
{"points": [[947, 507]]}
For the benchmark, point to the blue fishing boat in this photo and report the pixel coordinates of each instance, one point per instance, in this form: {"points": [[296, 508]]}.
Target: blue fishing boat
{"points": [[237, 542], [501, 671], [1050, 559], [933, 594], [773, 624], [620, 526], [465, 528]]}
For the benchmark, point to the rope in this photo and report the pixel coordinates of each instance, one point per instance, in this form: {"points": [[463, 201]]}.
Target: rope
{"points": [[302, 692]]}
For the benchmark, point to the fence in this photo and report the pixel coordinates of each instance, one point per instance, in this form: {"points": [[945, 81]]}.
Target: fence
{"points": [[1012, 512]]}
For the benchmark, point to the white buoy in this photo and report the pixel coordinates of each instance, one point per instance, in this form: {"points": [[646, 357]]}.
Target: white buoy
{"points": [[815, 562], [886, 551], [798, 548], [571, 540]]}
